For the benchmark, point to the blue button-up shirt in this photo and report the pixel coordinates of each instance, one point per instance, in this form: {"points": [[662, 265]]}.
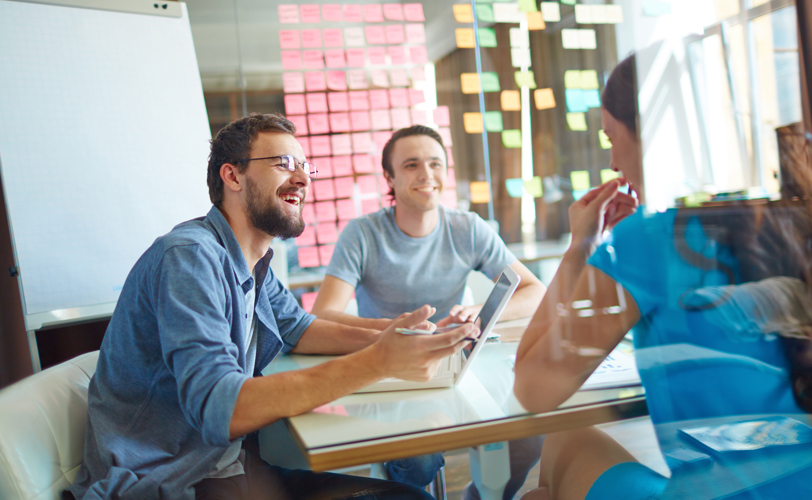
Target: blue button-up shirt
{"points": [[173, 360]]}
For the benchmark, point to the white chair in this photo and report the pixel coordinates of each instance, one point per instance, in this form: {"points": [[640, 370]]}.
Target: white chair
{"points": [[42, 430]]}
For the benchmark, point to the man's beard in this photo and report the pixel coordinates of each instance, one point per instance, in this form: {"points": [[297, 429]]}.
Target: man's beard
{"points": [[271, 219]]}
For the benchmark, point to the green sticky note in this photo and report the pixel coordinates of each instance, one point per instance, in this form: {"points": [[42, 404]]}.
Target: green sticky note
{"points": [[592, 98], [525, 79], [514, 187], [512, 138], [576, 121], [528, 6], [589, 79], [490, 82], [487, 37], [572, 79], [580, 180], [533, 187], [568, 2], [484, 13], [608, 174], [605, 142], [493, 121]]}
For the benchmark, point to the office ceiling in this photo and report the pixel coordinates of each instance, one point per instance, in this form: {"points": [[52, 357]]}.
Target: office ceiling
{"points": [[216, 24]]}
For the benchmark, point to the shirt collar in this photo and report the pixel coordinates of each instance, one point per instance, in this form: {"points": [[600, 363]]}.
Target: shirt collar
{"points": [[226, 235]]}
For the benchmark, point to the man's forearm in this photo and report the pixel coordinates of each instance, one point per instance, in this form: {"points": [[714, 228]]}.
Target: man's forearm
{"points": [[328, 337], [524, 302], [350, 320]]}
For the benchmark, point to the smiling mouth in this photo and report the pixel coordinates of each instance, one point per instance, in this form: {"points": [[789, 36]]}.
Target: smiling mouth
{"points": [[291, 199], [426, 189]]}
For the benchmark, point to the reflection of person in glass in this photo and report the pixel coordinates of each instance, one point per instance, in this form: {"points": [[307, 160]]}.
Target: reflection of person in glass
{"points": [[720, 305]]}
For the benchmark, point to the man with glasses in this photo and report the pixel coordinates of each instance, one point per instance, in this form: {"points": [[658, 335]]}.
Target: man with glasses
{"points": [[177, 386]]}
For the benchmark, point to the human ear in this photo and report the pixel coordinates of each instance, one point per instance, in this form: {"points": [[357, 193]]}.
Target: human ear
{"points": [[389, 179], [230, 177]]}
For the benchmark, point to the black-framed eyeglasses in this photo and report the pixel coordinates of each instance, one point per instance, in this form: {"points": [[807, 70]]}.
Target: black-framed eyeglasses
{"points": [[289, 163]]}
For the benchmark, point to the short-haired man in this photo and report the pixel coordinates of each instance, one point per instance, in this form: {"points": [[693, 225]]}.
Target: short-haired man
{"points": [[176, 389], [420, 252]]}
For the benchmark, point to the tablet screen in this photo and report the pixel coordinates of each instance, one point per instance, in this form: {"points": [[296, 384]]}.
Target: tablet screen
{"points": [[490, 306]]}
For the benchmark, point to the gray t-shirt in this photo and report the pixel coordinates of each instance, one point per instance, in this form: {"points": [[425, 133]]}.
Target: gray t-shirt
{"points": [[394, 273]]}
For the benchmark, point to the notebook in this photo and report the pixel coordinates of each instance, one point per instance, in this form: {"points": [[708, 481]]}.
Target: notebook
{"points": [[748, 435]]}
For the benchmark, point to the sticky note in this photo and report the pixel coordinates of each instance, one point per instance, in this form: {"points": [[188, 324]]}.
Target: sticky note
{"points": [[334, 58], [598, 14], [320, 145], [339, 122], [575, 100], [341, 144], [507, 13], [359, 100], [399, 77], [289, 14], [604, 140], [311, 38], [352, 13], [331, 13], [463, 13], [418, 54], [399, 98], [308, 257], [570, 39], [369, 206], [528, 6], [357, 79], [535, 21], [326, 231], [291, 59], [380, 139], [325, 254], [355, 58], [342, 165], [313, 59], [583, 14], [470, 83], [568, 2], [393, 11], [336, 80], [318, 123], [380, 78], [445, 135], [490, 81], [362, 141], [525, 79], [373, 13], [362, 164], [465, 38], [380, 119], [551, 12], [589, 79], [413, 12], [395, 34], [576, 121], [416, 97], [592, 98], [472, 122], [397, 54], [533, 187], [308, 237], [441, 116], [512, 138], [289, 39], [608, 174], [300, 122], [379, 99], [515, 187], [354, 37], [614, 14], [588, 39], [519, 38], [295, 104], [450, 156], [520, 57], [345, 209], [324, 166], [493, 121], [377, 55], [315, 82], [580, 180], [484, 13], [487, 37], [308, 214], [401, 118], [325, 211], [310, 13], [572, 79], [323, 189], [419, 116], [367, 184], [316, 102], [544, 98], [293, 82], [305, 143], [418, 74], [480, 192], [415, 33], [656, 8], [511, 100], [375, 35]]}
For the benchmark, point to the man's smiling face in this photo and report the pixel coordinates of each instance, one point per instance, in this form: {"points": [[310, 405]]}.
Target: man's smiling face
{"points": [[419, 167]]}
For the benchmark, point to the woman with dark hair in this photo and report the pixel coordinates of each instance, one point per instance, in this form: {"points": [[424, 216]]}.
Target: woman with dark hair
{"points": [[721, 311]]}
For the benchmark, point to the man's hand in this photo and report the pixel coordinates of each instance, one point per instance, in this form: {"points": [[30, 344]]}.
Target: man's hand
{"points": [[416, 357], [599, 210], [425, 325], [460, 314]]}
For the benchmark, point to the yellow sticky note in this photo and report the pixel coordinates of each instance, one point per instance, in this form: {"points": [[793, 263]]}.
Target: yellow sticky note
{"points": [[463, 13], [533, 187], [511, 100], [525, 79], [544, 98], [465, 38], [472, 123], [470, 83], [535, 21], [576, 121], [608, 174], [580, 180], [480, 192], [512, 138], [605, 142], [572, 79], [589, 79]]}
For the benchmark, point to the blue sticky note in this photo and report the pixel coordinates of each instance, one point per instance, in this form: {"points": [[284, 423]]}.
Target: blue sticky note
{"points": [[579, 193], [514, 187], [575, 101], [592, 98]]}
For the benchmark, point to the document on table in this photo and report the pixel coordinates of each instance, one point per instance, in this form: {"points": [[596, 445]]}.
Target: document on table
{"points": [[618, 370]]}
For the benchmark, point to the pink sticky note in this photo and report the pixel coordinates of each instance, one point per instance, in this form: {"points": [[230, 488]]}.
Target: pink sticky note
{"points": [[416, 96], [399, 77], [293, 82], [352, 13], [320, 145], [313, 59], [308, 237], [325, 211], [373, 13], [295, 104], [318, 124], [362, 164], [450, 157], [314, 81], [323, 190], [397, 54], [355, 58], [379, 139], [331, 13], [441, 116], [325, 254], [362, 141], [342, 144], [345, 186], [393, 11], [359, 100], [377, 56], [399, 98], [418, 74], [383, 186], [345, 209], [308, 301], [400, 119], [324, 166], [342, 165], [311, 38], [379, 99], [300, 122], [367, 184], [419, 117], [334, 58], [288, 14], [310, 13], [395, 34], [308, 256], [305, 143], [317, 103], [369, 206], [413, 12], [308, 214], [415, 33], [333, 37], [380, 78], [445, 135], [289, 39], [357, 79], [341, 225], [449, 198], [418, 54], [380, 119], [291, 59], [339, 122], [336, 80], [360, 121], [327, 231], [375, 35], [450, 179], [338, 101]]}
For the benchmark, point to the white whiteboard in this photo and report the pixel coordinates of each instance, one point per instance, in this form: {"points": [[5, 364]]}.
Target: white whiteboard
{"points": [[104, 141]]}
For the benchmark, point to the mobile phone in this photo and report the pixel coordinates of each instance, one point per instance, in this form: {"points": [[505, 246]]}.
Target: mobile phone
{"points": [[409, 331]]}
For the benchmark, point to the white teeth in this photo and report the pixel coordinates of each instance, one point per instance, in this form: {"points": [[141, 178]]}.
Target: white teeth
{"points": [[426, 189], [288, 197]]}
